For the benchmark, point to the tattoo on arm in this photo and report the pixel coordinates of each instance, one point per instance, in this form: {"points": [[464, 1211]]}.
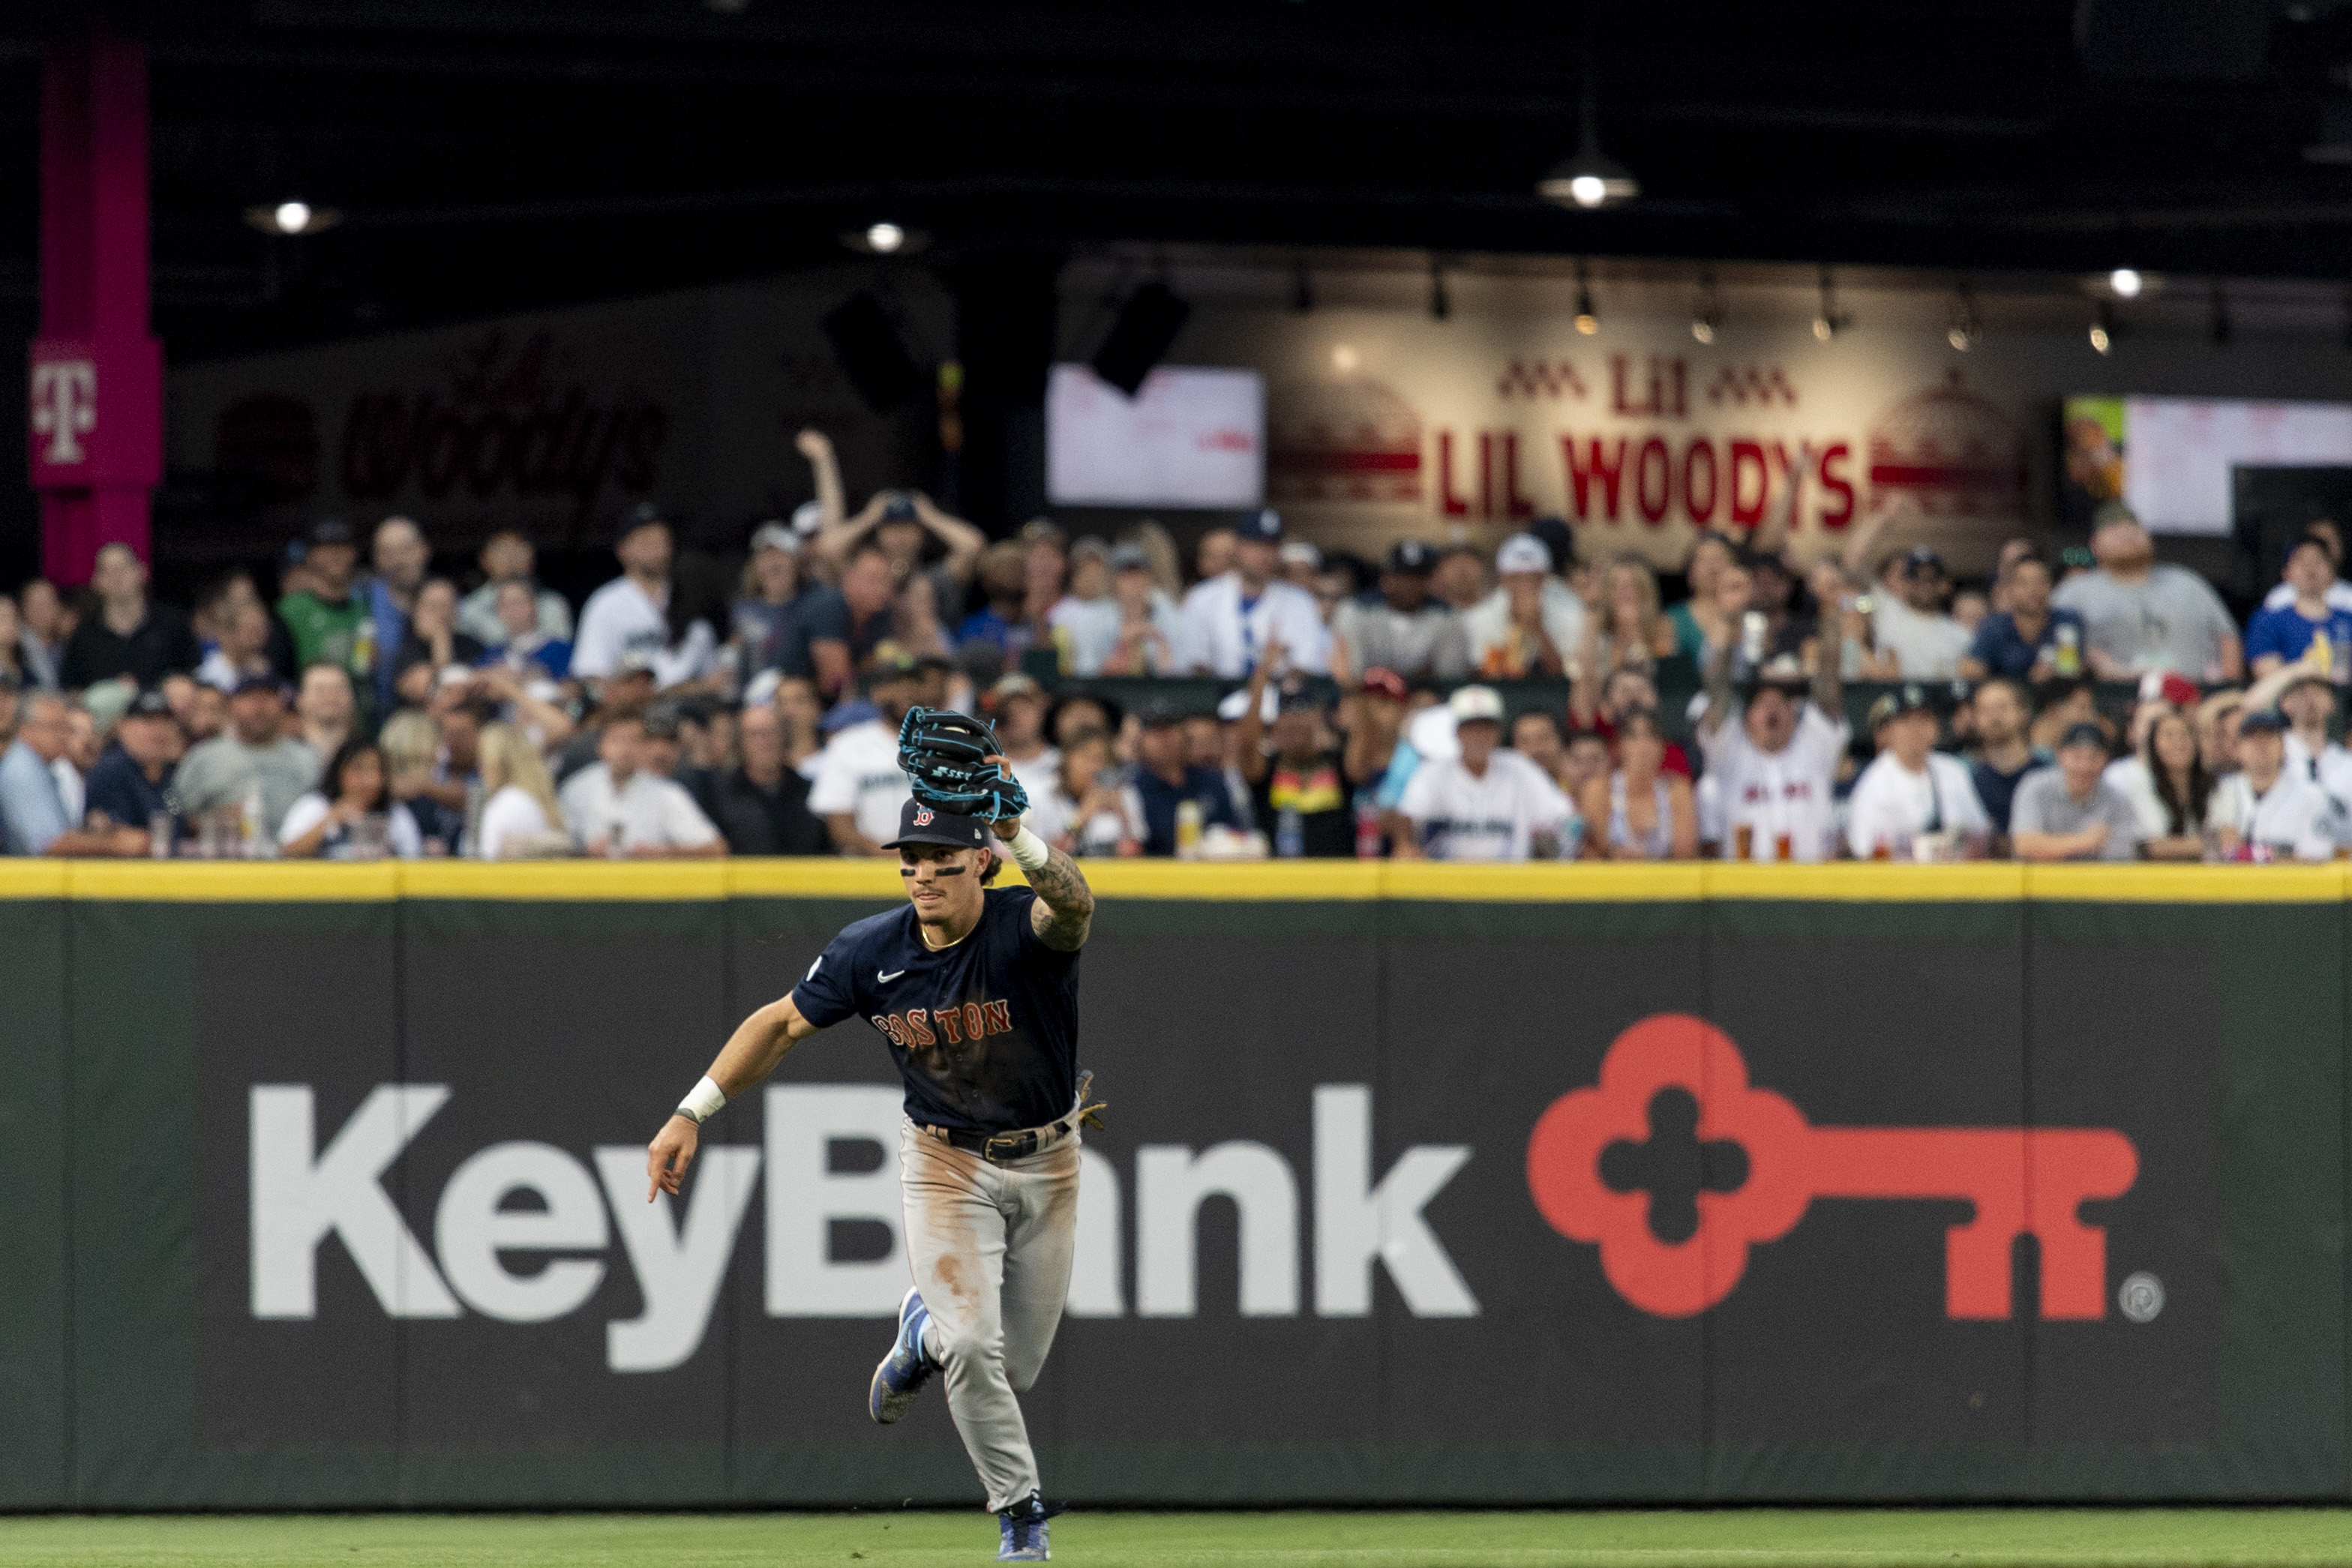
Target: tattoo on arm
{"points": [[1066, 904]]}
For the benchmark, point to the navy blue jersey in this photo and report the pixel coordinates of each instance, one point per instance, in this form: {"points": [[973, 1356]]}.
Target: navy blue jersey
{"points": [[985, 1033]]}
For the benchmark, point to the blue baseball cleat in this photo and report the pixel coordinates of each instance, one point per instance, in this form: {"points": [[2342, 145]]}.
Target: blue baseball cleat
{"points": [[905, 1369], [1022, 1532]]}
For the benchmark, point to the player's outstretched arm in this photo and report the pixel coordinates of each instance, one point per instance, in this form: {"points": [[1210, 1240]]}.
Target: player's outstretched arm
{"points": [[750, 1054], [1065, 910]]}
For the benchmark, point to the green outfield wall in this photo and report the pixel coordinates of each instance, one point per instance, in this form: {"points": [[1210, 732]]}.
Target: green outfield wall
{"points": [[1421, 1185]]}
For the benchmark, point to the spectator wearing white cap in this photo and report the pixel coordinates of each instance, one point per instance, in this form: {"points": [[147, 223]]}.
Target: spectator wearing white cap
{"points": [[1301, 562], [1406, 629], [509, 556], [767, 610], [1531, 624], [1017, 705], [1913, 801], [1774, 759], [1486, 804], [1229, 620]]}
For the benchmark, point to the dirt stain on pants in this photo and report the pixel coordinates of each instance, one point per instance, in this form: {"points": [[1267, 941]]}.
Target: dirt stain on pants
{"points": [[989, 1245]]}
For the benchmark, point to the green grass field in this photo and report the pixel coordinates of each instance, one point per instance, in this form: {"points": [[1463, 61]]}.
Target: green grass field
{"points": [[1744, 1538]]}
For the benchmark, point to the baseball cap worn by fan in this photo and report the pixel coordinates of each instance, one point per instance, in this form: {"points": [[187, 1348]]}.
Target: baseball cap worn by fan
{"points": [[1264, 526], [1411, 558], [643, 515], [328, 531], [775, 535], [921, 824], [1908, 698], [1477, 705], [1523, 552], [1131, 557], [2084, 734], [2263, 721]]}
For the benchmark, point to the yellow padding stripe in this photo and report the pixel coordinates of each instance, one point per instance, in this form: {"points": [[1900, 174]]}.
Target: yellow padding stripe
{"points": [[302, 881]]}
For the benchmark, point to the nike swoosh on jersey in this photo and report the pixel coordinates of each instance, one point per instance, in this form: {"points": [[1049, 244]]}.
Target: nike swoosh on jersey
{"points": [[886, 980]]}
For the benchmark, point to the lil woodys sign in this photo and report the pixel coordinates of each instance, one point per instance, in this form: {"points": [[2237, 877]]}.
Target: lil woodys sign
{"points": [[1385, 423]]}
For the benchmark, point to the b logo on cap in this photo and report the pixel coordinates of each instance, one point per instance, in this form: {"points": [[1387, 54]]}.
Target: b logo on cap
{"points": [[922, 816]]}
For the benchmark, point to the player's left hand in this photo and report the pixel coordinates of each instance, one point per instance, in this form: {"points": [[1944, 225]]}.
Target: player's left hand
{"points": [[1007, 828]]}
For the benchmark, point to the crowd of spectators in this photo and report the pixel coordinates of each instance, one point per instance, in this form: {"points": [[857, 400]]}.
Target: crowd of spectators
{"points": [[370, 706]]}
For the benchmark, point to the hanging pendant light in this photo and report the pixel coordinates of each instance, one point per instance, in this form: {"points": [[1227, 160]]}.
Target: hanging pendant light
{"points": [[1590, 178]]}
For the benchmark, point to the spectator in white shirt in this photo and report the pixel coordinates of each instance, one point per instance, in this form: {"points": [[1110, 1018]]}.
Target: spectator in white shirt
{"points": [[1017, 705], [1084, 621], [859, 787], [1487, 804], [1229, 621], [632, 612], [1910, 623], [1775, 760], [521, 817], [1150, 625], [2339, 592], [619, 808], [1532, 624], [351, 815], [1913, 801], [2263, 811]]}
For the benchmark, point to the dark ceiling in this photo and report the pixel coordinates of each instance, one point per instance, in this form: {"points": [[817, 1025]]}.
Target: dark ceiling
{"points": [[494, 153]]}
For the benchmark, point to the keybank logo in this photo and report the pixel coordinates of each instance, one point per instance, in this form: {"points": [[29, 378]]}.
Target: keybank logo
{"points": [[1676, 1166], [481, 1258]]}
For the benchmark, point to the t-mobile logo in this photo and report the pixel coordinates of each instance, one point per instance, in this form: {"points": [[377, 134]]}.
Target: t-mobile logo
{"points": [[65, 407]]}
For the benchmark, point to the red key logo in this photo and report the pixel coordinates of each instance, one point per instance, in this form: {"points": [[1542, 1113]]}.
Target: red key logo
{"points": [[1674, 1097]]}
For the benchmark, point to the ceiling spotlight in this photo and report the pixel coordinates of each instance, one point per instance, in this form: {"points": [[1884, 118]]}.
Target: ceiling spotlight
{"points": [[1829, 322], [2126, 282], [1441, 304], [2220, 327], [2104, 330], [1706, 317], [292, 217], [883, 237], [1589, 178], [1587, 321], [1965, 328]]}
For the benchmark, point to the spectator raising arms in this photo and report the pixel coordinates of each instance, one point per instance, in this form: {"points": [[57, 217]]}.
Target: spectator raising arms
{"points": [[902, 524], [1913, 799], [1775, 758], [128, 636], [1229, 621], [2072, 813], [361, 823], [1487, 804], [1638, 812], [521, 817]]}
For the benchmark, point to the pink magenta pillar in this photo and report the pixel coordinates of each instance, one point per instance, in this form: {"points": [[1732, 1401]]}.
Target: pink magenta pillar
{"points": [[97, 409]]}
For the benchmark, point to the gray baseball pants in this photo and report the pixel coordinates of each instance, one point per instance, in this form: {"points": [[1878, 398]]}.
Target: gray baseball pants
{"points": [[990, 1245]]}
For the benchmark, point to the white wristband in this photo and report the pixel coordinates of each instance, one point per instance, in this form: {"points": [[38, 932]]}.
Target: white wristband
{"points": [[1029, 850], [703, 1102]]}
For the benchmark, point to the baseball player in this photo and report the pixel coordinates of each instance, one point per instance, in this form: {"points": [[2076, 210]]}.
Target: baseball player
{"points": [[976, 990]]}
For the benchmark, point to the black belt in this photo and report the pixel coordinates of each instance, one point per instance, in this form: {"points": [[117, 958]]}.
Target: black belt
{"points": [[998, 1148]]}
